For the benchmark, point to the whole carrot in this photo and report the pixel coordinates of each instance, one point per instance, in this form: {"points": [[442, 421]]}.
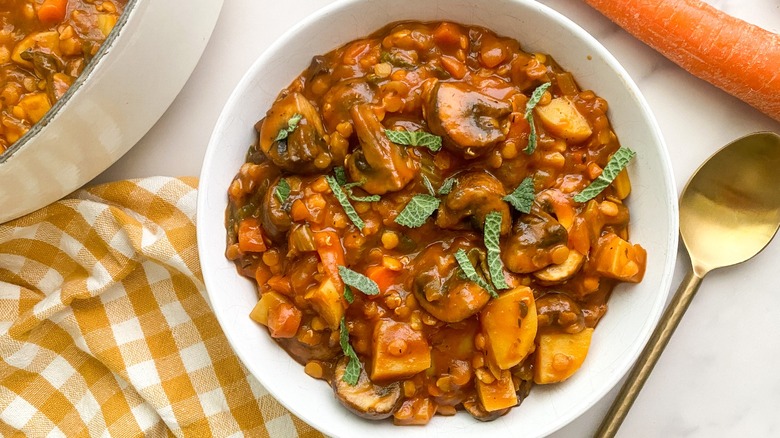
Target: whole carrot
{"points": [[736, 56]]}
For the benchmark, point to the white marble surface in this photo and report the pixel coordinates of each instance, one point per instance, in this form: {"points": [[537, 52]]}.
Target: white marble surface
{"points": [[719, 375]]}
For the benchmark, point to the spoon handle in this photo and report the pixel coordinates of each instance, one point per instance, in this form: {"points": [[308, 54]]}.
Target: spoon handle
{"points": [[647, 360]]}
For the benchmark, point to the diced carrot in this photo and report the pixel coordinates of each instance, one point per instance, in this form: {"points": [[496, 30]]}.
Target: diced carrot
{"points": [[383, 276], [447, 35], [280, 284], [52, 11], [331, 254], [454, 67], [736, 56], [250, 236], [283, 320], [579, 236]]}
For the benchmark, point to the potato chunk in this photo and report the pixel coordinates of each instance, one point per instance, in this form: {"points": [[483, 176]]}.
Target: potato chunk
{"points": [[399, 351], [561, 118], [326, 300], [277, 313], [509, 325], [560, 355], [619, 259], [498, 394]]}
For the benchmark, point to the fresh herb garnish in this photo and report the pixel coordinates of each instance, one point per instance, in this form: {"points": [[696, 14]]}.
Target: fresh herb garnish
{"points": [[395, 60], [352, 373], [358, 281], [291, 125], [495, 266], [282, 190], [417, 211], [415, 138], [341, 179], [522, 198], [529, 115], [428, 185], [447, 185], [344, 201], [341, 175], [370, 198], [471, 273], [616, 164], [348, 295]]}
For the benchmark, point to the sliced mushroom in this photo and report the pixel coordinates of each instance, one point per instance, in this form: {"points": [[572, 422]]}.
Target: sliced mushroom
{"points": [[470, 122], [555, 274], [560, 313], [533, 240], [304, 353], [474, 196], [304, 149], [439, 286], [475, 408], [382, 164], [273, 215], [341, 97], [365, 398]]}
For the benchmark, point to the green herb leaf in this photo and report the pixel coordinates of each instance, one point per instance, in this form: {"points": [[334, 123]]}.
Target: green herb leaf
{"points": [[417, 211], [471, 273], [282, 190], [522, 198], [447, 186], [341, 175], [529, 115], [291, 125], [352, 373], [395, 60], [616, 164], [492, 240], [415, 138], [371, 198], [344, 201], [358, 281], [348, 295], [428, 185]]}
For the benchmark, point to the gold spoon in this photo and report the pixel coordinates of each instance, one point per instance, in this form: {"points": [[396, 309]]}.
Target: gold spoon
{"points": [[729, 212]]}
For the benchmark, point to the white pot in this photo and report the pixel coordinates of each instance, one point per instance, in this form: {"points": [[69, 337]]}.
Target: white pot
{"points": [[135, 76]]}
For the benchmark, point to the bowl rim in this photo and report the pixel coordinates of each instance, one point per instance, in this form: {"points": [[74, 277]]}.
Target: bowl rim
{"points": [[671, 243], [91, 66]]}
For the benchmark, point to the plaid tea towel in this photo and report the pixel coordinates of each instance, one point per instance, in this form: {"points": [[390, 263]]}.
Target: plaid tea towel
{"points": [[105, 329]]}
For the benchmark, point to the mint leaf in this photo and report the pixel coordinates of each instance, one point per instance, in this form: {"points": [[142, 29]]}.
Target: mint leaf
{"points": [[415, 138], [341, 175], [492, 241], [348, 295], [522, 198], [428, 185], [352, 373], [344, 201], [616, 164], [291, 125], [371, 198], [358, 281], [471, 273], [529, 115], [282, 190], [417, 211], [447, 185]]}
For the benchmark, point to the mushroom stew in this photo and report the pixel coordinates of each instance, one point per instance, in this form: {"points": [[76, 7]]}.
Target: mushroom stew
{"points": [[434, 219]]}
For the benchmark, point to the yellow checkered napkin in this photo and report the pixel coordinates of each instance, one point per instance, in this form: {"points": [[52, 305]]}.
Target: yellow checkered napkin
{"points": [[105, 329]]}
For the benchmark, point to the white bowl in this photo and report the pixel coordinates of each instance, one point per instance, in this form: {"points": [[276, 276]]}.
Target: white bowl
{"points": [[634, 309], [132, 80]]}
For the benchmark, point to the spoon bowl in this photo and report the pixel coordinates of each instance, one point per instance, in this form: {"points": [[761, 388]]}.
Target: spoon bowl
{"points": [[729, 212], [730, 209]]}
